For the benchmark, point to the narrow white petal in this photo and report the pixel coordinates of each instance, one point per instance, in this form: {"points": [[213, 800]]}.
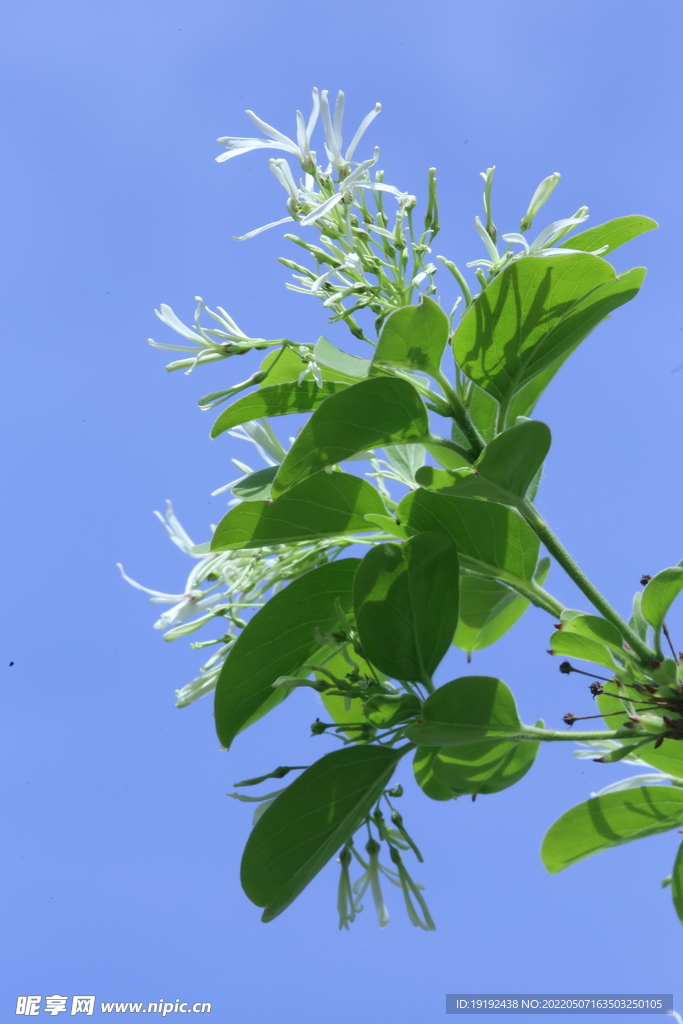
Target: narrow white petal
{"points": [[257, 231], [160, 596], [313, 119], [166, 314], [321, 210], [269, 130], [365, 123]]}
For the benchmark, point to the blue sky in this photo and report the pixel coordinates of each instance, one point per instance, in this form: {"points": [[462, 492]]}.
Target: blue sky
{"points": [[122, 852]]}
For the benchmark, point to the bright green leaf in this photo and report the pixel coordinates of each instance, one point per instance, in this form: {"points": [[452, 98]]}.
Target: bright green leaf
{"points": [[413, 337], [307, 823], [285, 365], [467, 711], [572, 645], [423, 767], [376, 412], [659, 595], [610, 820], [677, 883], [335, 360], [492, 539], [406, 604], [321, 506], [488, 609], [276, 400], [278, 640], [532, 314], [613, 234], [595, 628]]}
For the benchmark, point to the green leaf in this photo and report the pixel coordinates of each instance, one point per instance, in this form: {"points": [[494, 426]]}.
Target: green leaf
{"points": [[595, 628], [423, 767], [467, 711], [307, 823], [505, 469], [659, 595], [285, 365], [573, 645], [613, 234], [322, 506], [492, 539], [405, 598], [256, 487], [532, 314], [487, 767], [388, 525], [387, 709], [344, 710], [335, 360], [677, 883], [278, 640], [376, 412], [413, 337], [610, 820], [276, 400], [488, 609]]}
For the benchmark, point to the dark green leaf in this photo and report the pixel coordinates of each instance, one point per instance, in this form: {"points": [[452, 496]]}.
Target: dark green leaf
{"points": [[659, 595], [423, 767], [677, 883], [256, 487], [334, 360], [610, 820], [374, 413], [276, 400], [492, 539], [532, 314], [406, 604], [306, 825], [488, 609], [321, 506], [613, 234], [467, 711], [413, 337], [277, 641], [487, 767]]}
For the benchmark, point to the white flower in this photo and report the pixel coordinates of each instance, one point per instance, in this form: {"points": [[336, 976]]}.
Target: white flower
{"points": [[543, 244], [301, 149], [333, 132], [260, 433]]}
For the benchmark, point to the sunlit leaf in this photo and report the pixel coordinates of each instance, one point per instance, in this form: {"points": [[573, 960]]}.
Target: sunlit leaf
{"points": [[467, 711], [325, 505], [611, 820], [276, 400], [660, 593], [413, 337], [612, 234], [371, 414]]}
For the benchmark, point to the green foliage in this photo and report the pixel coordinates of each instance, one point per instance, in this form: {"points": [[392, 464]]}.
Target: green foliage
{"points": [[532, 314], [465, 712], [307, 823], [324, 505], [405, 599], [278, 641], [611, 820], [414, 338], [373, 413], [453, 561]]}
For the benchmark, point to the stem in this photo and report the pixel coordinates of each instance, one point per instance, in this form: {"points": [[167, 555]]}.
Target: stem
{"points": [[561, 555], [459, 413], [531, 732]]}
